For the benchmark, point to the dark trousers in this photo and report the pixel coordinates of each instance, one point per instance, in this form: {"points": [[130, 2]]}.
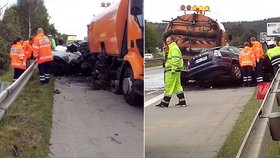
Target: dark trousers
{"points": [[17, 73], [259, 71], [44, 72], [247, 72], [275, 68]]}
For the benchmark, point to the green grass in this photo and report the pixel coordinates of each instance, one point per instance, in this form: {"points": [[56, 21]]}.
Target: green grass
{"points": [[234, 140], [6, 76], [274, 150], [28, 121]]}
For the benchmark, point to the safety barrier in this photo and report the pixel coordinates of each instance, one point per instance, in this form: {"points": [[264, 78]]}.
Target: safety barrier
{"points": [[8, 96], [265, 126]]}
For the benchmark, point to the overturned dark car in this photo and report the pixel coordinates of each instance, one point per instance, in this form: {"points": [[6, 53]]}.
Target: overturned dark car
{"points": [[219, 64]]}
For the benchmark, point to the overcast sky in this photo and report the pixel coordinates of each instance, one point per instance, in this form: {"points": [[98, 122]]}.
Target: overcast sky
{"points": [[222, 10], [71, 16]]}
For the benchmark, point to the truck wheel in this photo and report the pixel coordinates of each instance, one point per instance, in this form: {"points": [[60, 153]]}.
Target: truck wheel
{"points": [[236, 72], [130, 96]]}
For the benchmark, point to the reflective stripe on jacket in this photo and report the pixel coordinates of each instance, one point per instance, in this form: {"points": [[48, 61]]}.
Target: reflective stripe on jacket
{"points": [[174, 61], [274, 55], [246, 57], [257, 50], [17, 56], [42, 48]]}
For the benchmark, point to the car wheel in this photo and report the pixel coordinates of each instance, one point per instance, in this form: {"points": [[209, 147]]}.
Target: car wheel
{"points": [[236, 72]]}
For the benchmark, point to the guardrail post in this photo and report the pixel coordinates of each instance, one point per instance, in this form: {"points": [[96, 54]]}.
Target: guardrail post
{"points": [[274, 125]]}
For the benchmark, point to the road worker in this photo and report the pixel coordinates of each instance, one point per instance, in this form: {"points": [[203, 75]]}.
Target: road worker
{"points": [[259, 56], [43, 52], [53, 44], [17, 58], [172, 74], [273, 54], [247, 62], [28, 50], [55, 37]]}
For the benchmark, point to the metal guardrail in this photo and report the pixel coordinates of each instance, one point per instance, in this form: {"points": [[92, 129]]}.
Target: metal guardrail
{"points": [[257, 140], [8, 96]]}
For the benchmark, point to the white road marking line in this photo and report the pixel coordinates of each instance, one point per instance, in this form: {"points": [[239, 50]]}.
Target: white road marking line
{"points": [[153, 100], [151, 92]]}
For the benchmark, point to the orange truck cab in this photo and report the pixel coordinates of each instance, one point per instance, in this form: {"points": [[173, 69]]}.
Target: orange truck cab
{"points": [[115, 38]]}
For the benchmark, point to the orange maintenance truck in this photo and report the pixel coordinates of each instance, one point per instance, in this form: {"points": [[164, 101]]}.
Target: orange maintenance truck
{"points": [[194, 32], [115, 38]]}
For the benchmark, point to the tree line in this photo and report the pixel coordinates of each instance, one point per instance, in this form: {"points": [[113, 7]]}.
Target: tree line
{"points": [[240, 31], [22, 20]]}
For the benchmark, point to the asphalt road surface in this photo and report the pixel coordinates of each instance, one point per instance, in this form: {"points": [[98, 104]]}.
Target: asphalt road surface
{"points": [[91, 123], [198, 130], [154, 78]]}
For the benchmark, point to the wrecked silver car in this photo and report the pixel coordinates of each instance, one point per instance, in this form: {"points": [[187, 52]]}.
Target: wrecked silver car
{"points": [[69, 60]]}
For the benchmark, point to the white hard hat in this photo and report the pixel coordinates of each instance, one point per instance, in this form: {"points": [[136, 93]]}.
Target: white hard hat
{"points": [[270, 43]]}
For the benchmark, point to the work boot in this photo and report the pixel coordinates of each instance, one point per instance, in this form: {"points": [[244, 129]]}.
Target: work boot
{"points": [[182, 101], [164, 103]]}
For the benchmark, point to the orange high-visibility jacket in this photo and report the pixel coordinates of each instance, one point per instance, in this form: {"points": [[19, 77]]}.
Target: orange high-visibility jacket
{"points": [[246, 57], [17, 56], [42, 48], [258, 50], [27, 47]]}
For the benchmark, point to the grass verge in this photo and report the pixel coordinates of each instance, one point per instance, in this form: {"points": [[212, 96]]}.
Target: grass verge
{"points": [[27, 123], [152, 63], [234, 140], [274, 150], [7, 76]]}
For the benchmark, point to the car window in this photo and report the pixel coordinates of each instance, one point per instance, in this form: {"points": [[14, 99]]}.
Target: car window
{"points": [[234, 50], [225, 53]]}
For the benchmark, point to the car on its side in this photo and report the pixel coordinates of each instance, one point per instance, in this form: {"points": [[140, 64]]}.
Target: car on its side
{"points": [[148, 56], [214, 64]]}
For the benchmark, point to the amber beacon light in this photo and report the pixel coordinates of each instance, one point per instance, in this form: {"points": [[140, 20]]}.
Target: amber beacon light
{"points": [[198, 9]]}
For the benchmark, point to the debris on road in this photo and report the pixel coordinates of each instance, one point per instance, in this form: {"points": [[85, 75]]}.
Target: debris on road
{"points": [[115, 140], [56, 91], [15, 150]]}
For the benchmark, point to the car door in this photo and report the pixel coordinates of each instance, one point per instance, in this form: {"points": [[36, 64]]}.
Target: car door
{"points": [[226, 55]]}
